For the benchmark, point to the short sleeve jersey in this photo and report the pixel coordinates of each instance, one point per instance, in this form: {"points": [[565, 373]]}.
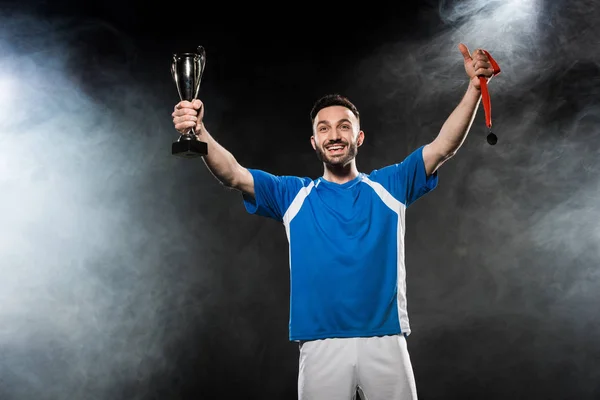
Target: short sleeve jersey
{"points": [[346, 247]]}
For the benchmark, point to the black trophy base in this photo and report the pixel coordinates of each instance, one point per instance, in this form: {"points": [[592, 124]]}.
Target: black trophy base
{"points": [[189, 147]]}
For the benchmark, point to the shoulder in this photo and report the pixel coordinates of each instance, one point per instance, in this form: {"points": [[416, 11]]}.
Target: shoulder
{"points": [[281, 182], [415, 158], [298, 181]]}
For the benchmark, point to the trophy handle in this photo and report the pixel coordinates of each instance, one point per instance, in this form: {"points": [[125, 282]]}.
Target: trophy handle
{"points": [[201, 52], [174, 74]]}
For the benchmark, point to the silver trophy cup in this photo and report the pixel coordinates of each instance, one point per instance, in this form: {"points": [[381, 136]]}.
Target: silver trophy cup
{"points": [[187, 70]]}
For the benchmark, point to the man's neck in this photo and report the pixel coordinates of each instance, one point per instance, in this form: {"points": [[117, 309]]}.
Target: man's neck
{"points": [[340, 174]]}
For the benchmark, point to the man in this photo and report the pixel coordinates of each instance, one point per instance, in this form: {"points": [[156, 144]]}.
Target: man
{"points": [[346, 242]]}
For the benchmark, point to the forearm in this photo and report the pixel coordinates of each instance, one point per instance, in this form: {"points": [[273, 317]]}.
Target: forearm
{"points": [[454, 131], [221, 163]]}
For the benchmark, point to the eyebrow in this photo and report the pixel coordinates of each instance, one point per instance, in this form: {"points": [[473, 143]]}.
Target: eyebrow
{"points": [[341, 120]]}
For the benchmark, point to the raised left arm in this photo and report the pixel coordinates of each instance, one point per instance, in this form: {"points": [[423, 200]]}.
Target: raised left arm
{"points": [[457, 125]]}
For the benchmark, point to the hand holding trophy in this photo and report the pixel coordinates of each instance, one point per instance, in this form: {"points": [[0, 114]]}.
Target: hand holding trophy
{"points": [[187, 70]]}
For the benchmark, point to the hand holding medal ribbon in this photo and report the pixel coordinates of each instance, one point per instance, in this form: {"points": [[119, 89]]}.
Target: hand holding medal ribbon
{"points": [[484, 67]]}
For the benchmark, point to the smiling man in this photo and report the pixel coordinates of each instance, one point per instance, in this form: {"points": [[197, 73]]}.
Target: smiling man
{"points": [[345, 229], [336, 136]]}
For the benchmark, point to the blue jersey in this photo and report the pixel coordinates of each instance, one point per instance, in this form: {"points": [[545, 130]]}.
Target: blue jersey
{"points": [[346, 247]]}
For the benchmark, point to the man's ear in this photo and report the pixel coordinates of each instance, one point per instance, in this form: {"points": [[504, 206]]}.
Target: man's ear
{"points": [[312, 141], [361, 138]]}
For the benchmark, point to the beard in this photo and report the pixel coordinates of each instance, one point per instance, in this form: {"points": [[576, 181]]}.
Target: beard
{"points": [[337, 160]]}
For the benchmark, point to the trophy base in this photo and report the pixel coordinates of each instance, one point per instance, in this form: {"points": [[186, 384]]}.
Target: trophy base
{"points": [[189, 147]]}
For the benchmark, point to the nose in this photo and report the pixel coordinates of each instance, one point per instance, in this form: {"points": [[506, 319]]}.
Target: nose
{"points": [[336, 134]]}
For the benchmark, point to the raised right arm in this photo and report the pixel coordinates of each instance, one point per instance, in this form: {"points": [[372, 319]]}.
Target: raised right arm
{"points": [[221, 163]]}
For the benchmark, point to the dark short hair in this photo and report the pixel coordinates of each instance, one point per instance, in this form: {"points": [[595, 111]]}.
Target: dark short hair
{"points": [[332, 100]]}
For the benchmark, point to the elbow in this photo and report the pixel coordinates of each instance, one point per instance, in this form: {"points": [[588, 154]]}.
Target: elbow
{"points": [[226, 179], [229, 182], [444, 153], [446, 150], [448, 155], [441, 159], [234, 178]]}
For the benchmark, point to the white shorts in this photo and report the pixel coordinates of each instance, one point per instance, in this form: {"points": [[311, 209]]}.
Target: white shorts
{"points": [[334, 369]]}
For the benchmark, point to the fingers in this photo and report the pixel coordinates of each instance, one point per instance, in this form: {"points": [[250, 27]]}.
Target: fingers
{"points": [[185, 123], [184, 111], [185, 118], [479, 55], [187, 108], [183, 105], [187, 115], [481, 64], [464, 50], [483, 68]]}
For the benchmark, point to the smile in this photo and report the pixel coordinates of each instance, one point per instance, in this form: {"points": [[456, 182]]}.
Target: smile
{"points": [[335, 148]]}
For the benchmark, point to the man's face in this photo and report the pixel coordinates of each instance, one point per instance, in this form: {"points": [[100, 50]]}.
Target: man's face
{"points": [[336, 135]]}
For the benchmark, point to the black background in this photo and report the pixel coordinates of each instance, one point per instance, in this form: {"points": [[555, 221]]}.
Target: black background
{"points": [[127, 273]]}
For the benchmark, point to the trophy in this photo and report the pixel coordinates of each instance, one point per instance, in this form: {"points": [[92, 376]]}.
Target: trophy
{"points": [[187, 70]]}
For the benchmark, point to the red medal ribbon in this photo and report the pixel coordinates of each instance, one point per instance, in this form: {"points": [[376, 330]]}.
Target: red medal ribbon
{"points": [[485, 94]]}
